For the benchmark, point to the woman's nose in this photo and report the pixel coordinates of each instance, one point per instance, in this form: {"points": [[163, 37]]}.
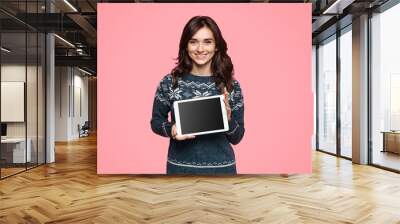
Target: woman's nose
{"points": [[200, 47]]}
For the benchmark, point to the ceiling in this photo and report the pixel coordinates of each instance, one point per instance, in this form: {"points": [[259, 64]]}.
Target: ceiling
{"points": [[76, 22]]}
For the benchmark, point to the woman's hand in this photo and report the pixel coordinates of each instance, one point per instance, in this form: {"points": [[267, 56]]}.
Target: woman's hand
{"points": [[227, 106], [179, 137]]}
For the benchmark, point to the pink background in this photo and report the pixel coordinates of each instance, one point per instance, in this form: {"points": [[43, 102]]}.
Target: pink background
{"points": [[270, 46]]}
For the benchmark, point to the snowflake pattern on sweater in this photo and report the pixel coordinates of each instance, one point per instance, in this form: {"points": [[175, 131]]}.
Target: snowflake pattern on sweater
{"points": [[189, 89]]}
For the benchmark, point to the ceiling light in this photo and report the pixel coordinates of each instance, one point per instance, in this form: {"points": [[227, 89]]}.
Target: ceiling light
{"points": [[84, 71], [5, 49], [70, 5], [64, 40], [338, 6]]}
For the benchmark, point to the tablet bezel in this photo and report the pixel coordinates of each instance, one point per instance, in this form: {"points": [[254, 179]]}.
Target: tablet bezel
{"points": [[223, 109]]}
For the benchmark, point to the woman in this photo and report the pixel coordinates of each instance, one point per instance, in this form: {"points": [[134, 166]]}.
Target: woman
{"points": [[203, 69]]}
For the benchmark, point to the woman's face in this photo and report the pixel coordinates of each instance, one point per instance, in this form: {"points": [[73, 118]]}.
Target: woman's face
{"points": [[201, 47]]}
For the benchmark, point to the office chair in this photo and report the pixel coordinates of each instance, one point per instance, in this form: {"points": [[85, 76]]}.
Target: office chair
{"points": [[84, 130]]}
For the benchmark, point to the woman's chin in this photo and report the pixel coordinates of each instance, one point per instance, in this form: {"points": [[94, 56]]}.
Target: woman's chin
{"points": [[201, 63]]}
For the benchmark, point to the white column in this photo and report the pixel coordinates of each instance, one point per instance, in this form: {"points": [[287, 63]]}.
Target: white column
{"points": [[50, 92], [360, 90]]}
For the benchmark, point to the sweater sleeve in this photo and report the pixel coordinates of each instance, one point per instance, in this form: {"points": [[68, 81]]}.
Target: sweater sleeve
{"points": [[236, 124], [161, 107]]}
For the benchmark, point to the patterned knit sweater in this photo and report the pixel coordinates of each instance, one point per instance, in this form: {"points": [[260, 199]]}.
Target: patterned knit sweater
{"points": [[204, 151]]}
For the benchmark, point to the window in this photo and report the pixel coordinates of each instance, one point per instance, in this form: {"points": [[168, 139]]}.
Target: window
{"points": [[346, 92], [385, 88], [327, 95]]}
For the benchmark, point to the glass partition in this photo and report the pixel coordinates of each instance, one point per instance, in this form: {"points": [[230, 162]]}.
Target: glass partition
{"points": [[13, 109], [22, 77]]}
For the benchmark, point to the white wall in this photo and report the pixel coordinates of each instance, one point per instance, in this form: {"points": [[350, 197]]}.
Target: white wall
{"points": [[16, 72], [71, 93], [82, 82], [62, 80], [10, 73]]}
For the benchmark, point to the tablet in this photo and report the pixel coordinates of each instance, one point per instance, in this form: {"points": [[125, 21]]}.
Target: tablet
{"points": [[203, 115]]}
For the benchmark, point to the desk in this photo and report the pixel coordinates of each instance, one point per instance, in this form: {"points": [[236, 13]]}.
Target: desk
{"points": [[391, 141], [15, 148]]}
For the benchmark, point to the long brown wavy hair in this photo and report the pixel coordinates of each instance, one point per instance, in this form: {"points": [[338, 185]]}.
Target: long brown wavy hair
{"points": [[221, 64]]}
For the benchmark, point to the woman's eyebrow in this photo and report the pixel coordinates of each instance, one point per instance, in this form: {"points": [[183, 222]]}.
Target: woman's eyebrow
{"points": [[203, 39]]}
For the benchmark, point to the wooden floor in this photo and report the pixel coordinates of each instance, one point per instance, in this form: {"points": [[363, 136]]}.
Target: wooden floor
{"points": [[5, 172], [70, 191], [9, 171]]}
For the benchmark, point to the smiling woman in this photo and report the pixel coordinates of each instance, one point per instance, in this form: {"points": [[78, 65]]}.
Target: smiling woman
{"points": [[203, 69]]}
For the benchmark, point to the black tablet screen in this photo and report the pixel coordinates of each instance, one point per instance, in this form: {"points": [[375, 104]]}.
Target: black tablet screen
{"points": [[201, 115]]}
